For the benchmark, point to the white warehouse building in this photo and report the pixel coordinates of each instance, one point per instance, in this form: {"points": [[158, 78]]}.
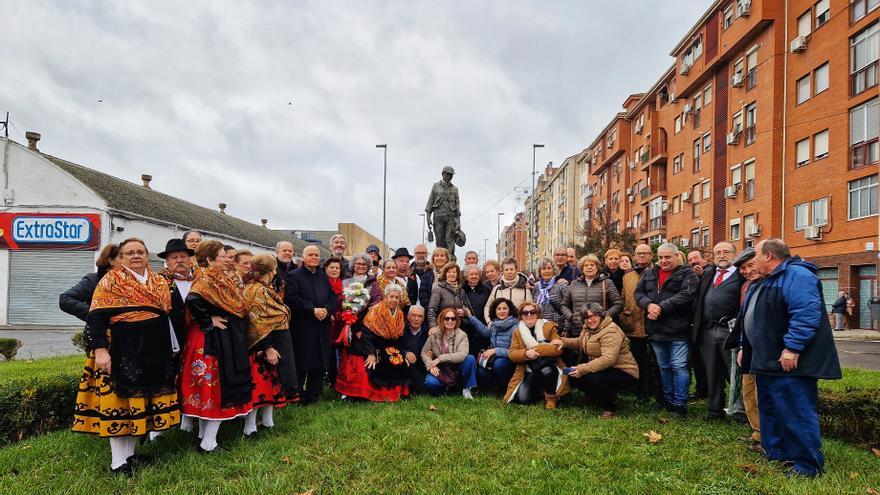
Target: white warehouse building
{"points": [[57, 215]]}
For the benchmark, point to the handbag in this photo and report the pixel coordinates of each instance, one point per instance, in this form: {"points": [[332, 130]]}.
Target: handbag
{"points": [[487, 364]]}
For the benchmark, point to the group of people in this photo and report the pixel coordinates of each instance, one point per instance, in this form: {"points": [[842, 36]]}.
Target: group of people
{"points": [[217, 336]]}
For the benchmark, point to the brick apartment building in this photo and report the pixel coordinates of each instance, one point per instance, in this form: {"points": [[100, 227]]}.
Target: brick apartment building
{"points": [[512, 242], [765, 126]]}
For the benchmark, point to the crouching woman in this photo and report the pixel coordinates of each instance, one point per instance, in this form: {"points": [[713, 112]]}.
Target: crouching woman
{"points": [[535, 348]]}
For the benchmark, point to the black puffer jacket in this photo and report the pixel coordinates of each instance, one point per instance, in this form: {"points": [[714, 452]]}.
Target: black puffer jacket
{"points": [[76, 300], [675, 299]]}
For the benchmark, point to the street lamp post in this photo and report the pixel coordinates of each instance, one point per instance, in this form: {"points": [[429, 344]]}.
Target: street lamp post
{"points": [[423, 227], [485, 249], [532, 211], [499, 234], [384, 189]]}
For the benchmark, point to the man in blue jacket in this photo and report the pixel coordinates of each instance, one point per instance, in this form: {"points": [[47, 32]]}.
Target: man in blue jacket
{"points": [[788, 346]]}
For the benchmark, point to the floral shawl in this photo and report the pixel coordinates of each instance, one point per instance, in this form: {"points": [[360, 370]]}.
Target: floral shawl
{"points": [[266, 312], [120, 290], [220, 290], [381, 322]]}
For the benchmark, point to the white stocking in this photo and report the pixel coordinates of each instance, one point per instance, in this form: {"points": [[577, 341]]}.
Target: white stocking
{"points": [[250, 422], [266, 416], [118, 451], [209, 441], [202, 424], [186, 423], [155, 434]]}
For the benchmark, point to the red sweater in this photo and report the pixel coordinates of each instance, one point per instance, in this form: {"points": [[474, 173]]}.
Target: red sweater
{"points": [[662, 275]]}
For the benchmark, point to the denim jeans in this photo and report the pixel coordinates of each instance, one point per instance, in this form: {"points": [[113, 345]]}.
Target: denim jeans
{"points": [[468, 377], [498, 376], [672, 357]]}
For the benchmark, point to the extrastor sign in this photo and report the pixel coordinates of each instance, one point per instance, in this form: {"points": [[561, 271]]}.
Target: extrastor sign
{"points": [[73, 231]]}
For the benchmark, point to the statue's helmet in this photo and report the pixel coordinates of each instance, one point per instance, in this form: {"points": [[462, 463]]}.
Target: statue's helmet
{"points": [[448, 170]]}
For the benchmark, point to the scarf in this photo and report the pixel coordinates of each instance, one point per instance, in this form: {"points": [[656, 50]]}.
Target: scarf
{"points": [[218, 289], [544, 291], [500, 326], [382, 281], [336, 285], [120, 290], [266, 312], [526, 334], [381, 322], [172, 276]]}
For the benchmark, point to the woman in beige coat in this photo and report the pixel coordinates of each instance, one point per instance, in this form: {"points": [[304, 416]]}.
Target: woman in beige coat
{"points": [[535, 347], [446, 357], [609, 366]]}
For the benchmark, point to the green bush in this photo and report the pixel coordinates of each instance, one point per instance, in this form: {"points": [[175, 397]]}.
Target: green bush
{"points": [[852, 415], [9, 348], [38, 405], [79, 340]]}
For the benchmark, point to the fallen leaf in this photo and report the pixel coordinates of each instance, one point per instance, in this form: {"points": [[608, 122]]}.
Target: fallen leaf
{"points": [[663, 421], [432, 408], [748, 468], [872, 491], [286, 459], [25, 447], [653, 437], [853, 475], [310, 492], [876, 452], [524, 432]]}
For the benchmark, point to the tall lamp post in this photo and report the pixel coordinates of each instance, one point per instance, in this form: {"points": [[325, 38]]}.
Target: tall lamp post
{"points": [[423, 227], [485, 249], [384, 188], [499, 235], [533, 237]]}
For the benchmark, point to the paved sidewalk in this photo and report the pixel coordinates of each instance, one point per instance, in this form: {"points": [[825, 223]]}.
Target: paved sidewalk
{"points": [[42, 342], [857, 334]]}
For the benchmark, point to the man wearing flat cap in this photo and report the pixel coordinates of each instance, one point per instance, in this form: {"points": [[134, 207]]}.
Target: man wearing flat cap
{"points": [[443, 213]]}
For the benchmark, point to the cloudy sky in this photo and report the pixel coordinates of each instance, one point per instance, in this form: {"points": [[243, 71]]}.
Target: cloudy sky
{"points": [[275, 108]]}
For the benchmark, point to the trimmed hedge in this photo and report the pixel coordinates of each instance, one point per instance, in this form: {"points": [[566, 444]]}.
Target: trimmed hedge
{"points": [[34, 406], [9, 348], [852, 415]]}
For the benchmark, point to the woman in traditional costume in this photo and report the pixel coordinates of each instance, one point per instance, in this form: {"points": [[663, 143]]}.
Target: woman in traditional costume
{"points": [[273, 368], [127, 387], [374, 367], [388, 276], [215, 382]]}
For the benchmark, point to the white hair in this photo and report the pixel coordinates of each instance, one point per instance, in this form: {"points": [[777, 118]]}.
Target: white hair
{"points": [[393, 288]]}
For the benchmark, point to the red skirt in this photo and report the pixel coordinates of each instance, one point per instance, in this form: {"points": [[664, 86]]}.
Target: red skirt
{"points": [[200, 382], [352, 380], [267, 385]]}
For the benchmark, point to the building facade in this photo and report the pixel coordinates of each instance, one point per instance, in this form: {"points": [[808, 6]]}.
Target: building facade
{"points": [[513, 240]]}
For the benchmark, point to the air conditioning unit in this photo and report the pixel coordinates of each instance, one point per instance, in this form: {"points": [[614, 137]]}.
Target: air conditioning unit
{"points": [[753, 231], [610, 144], [685, 242], [602, 203], [639, 128], [732, 137], [629, 225], [730, 191], [671, 97], [685, 196], [631, 198], [813, 233], [685, 68], [664, 206], [629, 190], [688, 108], [743, 8], [799, 44], [632, 165], [737, 80]]}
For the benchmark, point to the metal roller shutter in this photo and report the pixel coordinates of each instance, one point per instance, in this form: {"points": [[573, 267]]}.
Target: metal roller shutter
{"points": [[828, 277], [867, 290], [37, 278]]}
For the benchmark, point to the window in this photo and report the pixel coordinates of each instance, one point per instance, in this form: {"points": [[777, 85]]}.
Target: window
{"points": [[697, 154], [864, 52], [676, 204], [864, 128], [707, 141], [749, 225], [823, 12], [736, 176], [751, 123], [820, 145], [707, 190], [801, 216], [737, 122], [728, 17], [803, 152], [738, 67], [705, 233], [803, 89], [749, 172], [752, 68], [698, 103], [695, 200], [734, 230], [676, 164], [819, 208], [707, 95], [863, 197], [805, 24], [677, 124], [860, 8], [820, 78], [695, 238], [657, 218]]}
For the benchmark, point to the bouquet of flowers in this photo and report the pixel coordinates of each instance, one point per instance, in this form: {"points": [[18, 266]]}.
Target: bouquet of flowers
{"points": [[355, 298]]}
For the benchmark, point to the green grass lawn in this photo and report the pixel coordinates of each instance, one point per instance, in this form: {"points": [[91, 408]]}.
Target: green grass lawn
{"points": [[38, 368], [464, 447]]}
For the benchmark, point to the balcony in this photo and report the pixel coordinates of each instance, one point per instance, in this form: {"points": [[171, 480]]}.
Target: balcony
{"points": [[646, 192], [864, 154], [657, 223], [864, 78]]}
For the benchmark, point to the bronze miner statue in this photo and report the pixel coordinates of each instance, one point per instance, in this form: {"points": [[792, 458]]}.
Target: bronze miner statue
{"points": [[443, 206]]}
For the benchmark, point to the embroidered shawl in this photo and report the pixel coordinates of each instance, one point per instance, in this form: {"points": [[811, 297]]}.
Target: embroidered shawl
{"points": [[120, 290], [381, 322], [218, 289], [266, 311], [382, 281]]}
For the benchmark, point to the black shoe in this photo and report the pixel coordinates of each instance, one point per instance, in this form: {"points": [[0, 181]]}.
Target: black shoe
{"points": [[207, 452], [714, 416], [124, 470], [662, 404], [739, 417], [138, 461], [680, 412]]}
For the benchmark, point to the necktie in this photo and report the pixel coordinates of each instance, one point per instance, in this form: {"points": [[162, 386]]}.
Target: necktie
{"points": [[719, 278]]}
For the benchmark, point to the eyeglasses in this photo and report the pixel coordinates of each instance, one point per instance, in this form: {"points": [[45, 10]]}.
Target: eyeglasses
{"points": [[590, 317], [529, 312], [134, 253], [723, 251], [449, 318], [642, 254], [360, 264]]}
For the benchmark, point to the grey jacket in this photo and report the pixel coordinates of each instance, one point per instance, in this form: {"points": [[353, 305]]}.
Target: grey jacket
{"points": [[444, 296], [580, 293]]}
